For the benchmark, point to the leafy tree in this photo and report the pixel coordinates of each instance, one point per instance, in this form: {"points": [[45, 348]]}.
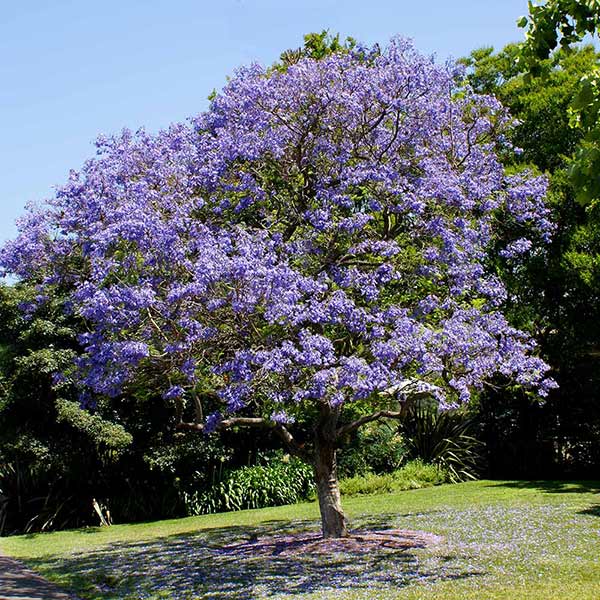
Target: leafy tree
{"points": [[317, 46], [556, 23], [48, 445], [312, 247], [56, 458], [553, 294], [564, 23]]}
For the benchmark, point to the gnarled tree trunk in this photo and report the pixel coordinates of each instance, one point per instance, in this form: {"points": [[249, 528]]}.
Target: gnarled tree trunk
{"points": [[330, 504]]}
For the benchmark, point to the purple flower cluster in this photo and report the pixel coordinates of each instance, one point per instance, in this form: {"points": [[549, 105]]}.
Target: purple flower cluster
{"points": [[318, 233]]}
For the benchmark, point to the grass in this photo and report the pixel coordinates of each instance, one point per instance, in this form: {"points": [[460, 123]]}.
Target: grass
{"points": [[502, 540]]}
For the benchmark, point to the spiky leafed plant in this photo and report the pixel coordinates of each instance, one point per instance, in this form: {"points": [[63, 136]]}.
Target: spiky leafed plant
{"points": [[444, 438]]}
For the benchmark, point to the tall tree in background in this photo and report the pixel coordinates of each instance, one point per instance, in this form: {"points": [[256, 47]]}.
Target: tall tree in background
{"points": [[48, 448], [555, 293], [563, 23], [317, 241]]}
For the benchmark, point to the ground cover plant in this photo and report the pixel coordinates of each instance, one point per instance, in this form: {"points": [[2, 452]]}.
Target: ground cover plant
{"points": [[413, 475], [306, 257], [487, 539]]}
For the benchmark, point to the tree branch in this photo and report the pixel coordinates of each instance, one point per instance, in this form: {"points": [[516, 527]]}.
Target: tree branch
{"points": [[197, 408], [381, 414], [228, 423], [409, 398], [293, 446]]}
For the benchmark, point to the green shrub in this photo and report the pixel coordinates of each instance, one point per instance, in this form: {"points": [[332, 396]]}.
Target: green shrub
{"points": [[376, 448], [413, 475], [280, 481], [417, 474], [367, 484]]}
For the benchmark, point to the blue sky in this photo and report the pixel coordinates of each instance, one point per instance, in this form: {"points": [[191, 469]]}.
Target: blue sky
{"points": [[71, 70]]}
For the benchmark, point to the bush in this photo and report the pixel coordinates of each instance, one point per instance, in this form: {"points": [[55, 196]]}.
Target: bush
{"points": [[417, 474], [444, 438], [367, 484], [413, 475], [376, 448], [280, 481]]}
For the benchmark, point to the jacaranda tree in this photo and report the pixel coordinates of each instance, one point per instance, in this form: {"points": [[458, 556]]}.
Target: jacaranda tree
{"points": [[307, 256]]}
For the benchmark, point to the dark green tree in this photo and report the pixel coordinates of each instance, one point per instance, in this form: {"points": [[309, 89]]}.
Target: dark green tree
{"points": [[63, 466], [555, 294], [564, 23]]}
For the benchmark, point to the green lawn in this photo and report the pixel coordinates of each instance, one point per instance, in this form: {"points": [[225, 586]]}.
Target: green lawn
{"points": [[509, 540]]}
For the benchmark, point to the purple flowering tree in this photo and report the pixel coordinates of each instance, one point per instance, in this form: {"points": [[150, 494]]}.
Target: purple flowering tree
{"points": [[313, 246]]}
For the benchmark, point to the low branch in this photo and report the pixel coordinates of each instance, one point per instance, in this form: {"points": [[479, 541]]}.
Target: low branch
{"points": [[291, 443], [199, 413], [381, 414], [228, 423]]}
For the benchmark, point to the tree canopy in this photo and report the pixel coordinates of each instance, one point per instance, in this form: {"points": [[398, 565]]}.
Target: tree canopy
{"points": [[554, 294], [317, 240]]}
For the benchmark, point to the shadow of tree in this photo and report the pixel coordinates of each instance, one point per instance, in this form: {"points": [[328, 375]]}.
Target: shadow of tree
{"points": [[594, 511], [562, 487], [202, 565]]}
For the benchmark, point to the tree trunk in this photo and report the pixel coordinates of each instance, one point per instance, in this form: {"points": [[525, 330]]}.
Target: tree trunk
{"points": [[333, 521]]}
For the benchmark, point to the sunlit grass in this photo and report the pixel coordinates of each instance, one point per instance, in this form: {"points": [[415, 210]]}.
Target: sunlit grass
{"points": [[501, 540]]}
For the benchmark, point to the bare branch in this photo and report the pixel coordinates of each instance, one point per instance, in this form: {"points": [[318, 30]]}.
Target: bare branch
{"points": [[229, 423], [291, 443], [410, 393], [197, 408], [381, 414]]}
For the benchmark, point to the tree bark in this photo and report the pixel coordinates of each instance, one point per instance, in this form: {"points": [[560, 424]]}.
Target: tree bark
{"points": [[333, 521]]}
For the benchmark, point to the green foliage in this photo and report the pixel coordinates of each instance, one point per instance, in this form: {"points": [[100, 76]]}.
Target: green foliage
{"points": [[584, 115], [375, 448], [414, 475], [553, 293], [317, 46], [544, 132], [281, 480], [564, 23], [367, 484], [45, 501], [36, 452], [556, 23], [417, 474], [443, 438], [57, 458], [101, 432]]}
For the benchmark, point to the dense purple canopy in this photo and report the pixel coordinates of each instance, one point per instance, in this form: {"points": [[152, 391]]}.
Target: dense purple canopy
{"points": [[319, 234]]}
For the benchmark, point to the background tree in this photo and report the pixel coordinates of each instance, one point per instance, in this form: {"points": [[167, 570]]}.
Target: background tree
{"points": [[56, 458], [49, 447], [563, 23], [315, 242], [554, 293]]}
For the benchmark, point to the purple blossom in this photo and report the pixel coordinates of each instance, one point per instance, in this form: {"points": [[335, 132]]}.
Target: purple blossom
{"points": [[212, 422], [282, 418], [318, 234], [175, 391], [516, 248]]}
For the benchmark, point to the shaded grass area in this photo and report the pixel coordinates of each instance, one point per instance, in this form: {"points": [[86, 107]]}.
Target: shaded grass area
{"points": [[500, 540]]}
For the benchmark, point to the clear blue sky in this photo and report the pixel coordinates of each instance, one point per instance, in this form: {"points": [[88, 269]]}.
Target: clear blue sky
{"points": [[71, 69]]}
